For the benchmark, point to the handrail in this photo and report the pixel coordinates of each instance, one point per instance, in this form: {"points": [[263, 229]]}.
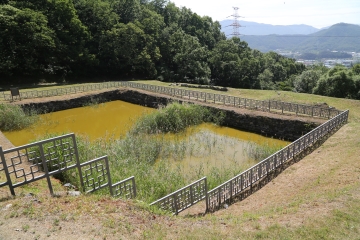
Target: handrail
{"points": [[262, 105]]}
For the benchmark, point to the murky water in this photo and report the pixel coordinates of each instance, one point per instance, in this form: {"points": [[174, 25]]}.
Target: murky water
{"points": [[206, 144], [112, 118]]}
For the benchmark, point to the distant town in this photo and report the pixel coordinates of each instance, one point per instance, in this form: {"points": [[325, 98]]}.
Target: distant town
{"points": [[328, 62]]}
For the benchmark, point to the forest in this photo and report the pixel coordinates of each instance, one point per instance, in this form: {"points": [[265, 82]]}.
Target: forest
{"points": [[70, 40]]}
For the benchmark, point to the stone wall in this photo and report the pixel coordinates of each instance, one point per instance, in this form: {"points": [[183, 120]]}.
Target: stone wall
{"points": [[267, 126]]}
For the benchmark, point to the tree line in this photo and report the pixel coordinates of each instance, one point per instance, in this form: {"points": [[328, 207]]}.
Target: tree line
{"points": [[130, 39], [127, 38]]}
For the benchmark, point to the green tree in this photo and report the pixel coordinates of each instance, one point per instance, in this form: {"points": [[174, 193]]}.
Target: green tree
{"points": [[356, 69], [70, 35], [266, 80], [190, 58], [125, 50], [338, 82], [26, 42], [306, 82], [127, 10], [232, 64]]}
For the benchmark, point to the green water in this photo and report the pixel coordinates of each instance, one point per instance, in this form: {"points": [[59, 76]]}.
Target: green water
{"points": [[210, 145]]}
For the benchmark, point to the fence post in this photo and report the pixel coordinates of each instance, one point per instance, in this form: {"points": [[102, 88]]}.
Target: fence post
{"points": [[108, 175], [46, 170], [133, 182], [206, 197], [8, 179], [297, 109], [214, 97], [175, 203], [269, 106], [78, 165]]}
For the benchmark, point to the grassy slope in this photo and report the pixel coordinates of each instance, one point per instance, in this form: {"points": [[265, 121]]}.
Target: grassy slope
{"points": [[318, 197]]}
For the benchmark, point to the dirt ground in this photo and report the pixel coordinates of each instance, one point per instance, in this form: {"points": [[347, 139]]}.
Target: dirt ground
{"points": [[41, 216]]}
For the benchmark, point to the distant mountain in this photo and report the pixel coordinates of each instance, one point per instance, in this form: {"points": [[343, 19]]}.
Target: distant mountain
{"points": [[339, 37], [253, 28]]}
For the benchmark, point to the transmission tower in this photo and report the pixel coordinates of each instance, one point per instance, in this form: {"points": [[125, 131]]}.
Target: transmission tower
{"points": [[236, 25]]}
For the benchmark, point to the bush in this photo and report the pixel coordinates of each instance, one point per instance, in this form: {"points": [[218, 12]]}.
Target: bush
{"points": [[175, 118], [13, 117]]}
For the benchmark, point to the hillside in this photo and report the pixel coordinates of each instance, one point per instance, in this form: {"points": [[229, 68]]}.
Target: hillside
{"points": [[339, 37], [315, 198]]}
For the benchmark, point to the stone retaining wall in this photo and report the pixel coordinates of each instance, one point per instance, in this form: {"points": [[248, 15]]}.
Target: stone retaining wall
{"points": [[268, 126]]}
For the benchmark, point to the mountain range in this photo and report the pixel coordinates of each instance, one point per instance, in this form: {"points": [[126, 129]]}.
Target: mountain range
{"points": [[254, 28], [338, 37]]}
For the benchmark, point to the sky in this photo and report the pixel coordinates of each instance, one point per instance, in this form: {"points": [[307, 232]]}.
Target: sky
{"points": [[316, 13]]}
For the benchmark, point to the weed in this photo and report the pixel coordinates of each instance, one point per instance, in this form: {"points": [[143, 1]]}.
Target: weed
{"points": [[25, 228], [56, 222], [109, 222], [93, 102], [259, 152], [13, 117]]}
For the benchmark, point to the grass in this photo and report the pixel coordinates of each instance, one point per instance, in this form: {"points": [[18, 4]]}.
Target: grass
{"points": [[148, 150], [175, 118], [316, 198], [13, 117]]}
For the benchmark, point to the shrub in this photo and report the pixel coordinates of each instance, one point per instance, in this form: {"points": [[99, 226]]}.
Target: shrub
{"points": [[13, 117], [175, 118]]}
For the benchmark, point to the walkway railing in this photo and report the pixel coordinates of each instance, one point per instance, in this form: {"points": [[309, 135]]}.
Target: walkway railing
{"points": [[245, 180], [261, 105], [43, 159], [35, 161], [183, 198]]}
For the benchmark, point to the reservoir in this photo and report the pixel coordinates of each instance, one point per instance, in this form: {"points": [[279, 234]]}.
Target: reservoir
{"points": [[206, 142]]}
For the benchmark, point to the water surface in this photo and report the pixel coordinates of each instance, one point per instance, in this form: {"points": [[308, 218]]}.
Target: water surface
{"points": [[206, 145]]}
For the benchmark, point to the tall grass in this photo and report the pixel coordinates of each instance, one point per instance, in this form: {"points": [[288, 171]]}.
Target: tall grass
{"points": [[261, 151], [13, 117], [156, 161], [156, 157], [175, 118]]}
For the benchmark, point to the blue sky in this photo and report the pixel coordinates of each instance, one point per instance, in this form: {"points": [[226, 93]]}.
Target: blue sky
{"points": [[316, 13]]}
